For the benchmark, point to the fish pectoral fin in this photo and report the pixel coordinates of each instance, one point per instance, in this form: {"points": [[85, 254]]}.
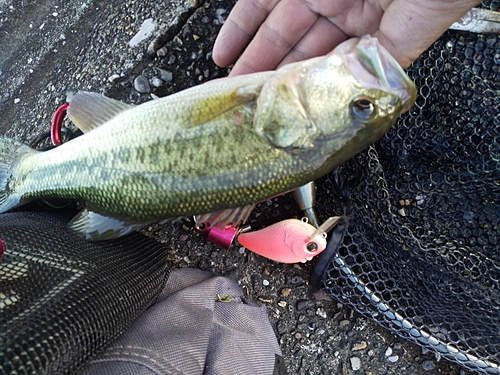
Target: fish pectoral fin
{"points": [[89, 110], [206, 109], [93, 226], [233, 216]]}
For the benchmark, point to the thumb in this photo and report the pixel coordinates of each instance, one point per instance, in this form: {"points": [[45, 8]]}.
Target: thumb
{"points": [[409, 27]]}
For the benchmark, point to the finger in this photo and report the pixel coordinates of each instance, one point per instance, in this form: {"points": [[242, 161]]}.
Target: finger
{"points": [[242, 23], [408, 28], [355, 18], [283, 28], [320, 39]]}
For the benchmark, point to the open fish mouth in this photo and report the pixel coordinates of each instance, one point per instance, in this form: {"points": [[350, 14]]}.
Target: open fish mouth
{"points": [[375, 68]]}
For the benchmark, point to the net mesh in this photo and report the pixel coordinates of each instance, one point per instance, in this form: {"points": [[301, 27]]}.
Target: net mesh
{"points": [[63, 300], [419, 249]]}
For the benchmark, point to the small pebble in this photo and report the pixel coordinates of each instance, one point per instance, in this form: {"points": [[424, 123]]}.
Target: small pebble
{"points": [[359, 346], [298, 336], [302, 304], [285, 292], [171, 60], [241, 250], [183, 237], [344, 323], [141, 85], [265, 299], [265, 282], [218, 13], [282, 304], [165, 75], [428, 365], [162, 52], [388, 352], [355, 363], [156, 82], [397, 346], [113, 78], [147, 28], [393, 358], [321, 312]]}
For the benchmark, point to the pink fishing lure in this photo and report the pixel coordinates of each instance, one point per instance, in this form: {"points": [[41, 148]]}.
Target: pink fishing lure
{"points": [[288, 241]]}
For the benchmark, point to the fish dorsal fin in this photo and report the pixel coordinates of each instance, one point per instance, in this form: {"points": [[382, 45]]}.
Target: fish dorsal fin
{"points": [[89, 110], [222, 218], [93, 226]]}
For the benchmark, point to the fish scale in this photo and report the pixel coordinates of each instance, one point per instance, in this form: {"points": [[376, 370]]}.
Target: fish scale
{"points": [[183, 177], [223, 145]]}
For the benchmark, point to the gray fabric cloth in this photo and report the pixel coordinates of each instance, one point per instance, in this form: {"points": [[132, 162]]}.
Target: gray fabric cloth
{"points": [[202, 324]]}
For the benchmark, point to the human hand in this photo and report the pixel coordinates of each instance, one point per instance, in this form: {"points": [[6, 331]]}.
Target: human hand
{"points": [[291, 30]]}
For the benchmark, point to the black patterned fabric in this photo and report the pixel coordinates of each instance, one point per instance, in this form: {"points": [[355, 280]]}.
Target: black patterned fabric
{"points": [[62, 300]]}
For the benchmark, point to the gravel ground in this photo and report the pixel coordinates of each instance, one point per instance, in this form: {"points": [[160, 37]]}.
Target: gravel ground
{"points": [[51, 49]]}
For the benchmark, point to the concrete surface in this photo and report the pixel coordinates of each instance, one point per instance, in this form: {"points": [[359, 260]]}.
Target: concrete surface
{"points": [[51, 49]]}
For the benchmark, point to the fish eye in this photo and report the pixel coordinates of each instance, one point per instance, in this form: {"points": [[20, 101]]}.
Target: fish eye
{"points": [[363, 108], [312, 247]]}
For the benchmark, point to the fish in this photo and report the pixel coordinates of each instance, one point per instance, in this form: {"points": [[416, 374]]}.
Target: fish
{"points": [[287, 241], [212, 150]]}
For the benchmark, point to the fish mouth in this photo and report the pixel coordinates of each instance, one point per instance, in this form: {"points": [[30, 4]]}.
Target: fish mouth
{"points": [[374, 68]]}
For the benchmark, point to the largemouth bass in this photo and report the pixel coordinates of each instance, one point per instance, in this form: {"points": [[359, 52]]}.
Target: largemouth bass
{"points": [[219, 147]]}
